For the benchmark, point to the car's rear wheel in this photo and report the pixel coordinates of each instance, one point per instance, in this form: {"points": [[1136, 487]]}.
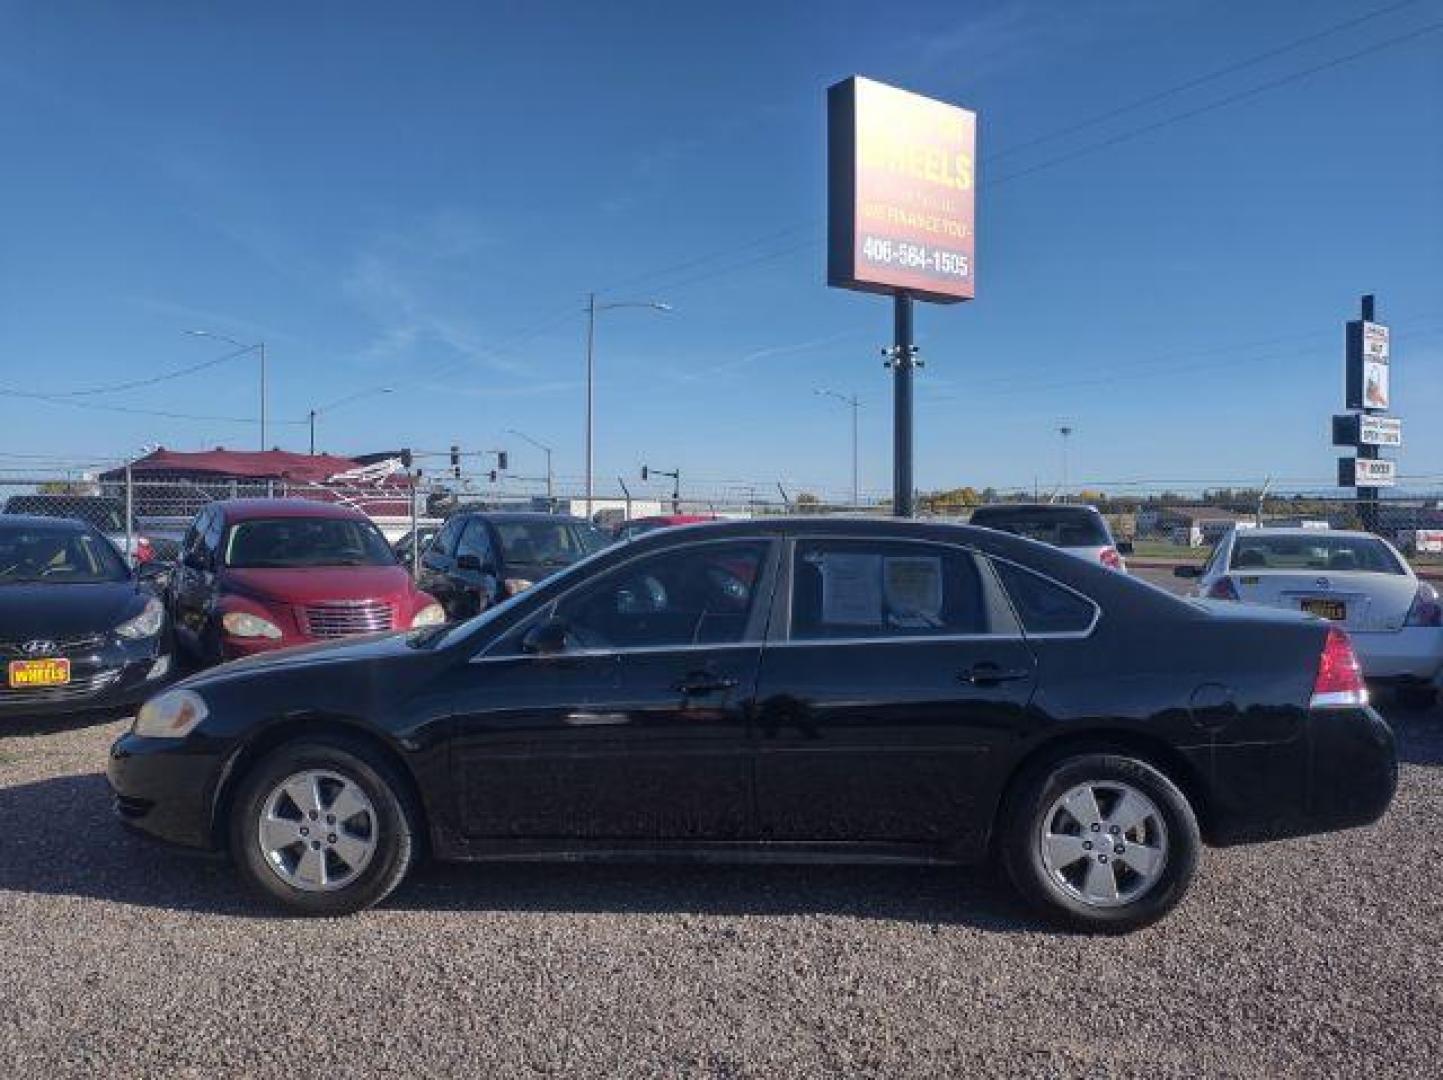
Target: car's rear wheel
{"points": [[1100, 841], [323, 827]]}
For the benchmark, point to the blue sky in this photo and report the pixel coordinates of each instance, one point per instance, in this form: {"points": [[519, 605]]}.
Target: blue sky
{"points": [[421, 195]]}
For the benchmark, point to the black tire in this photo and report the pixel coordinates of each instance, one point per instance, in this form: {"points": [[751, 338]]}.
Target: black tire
{"points": [[1417, 698], [396, 825], [1028, 808]]}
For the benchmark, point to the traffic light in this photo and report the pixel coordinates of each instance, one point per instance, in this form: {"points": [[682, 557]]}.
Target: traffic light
{"points": [[493, 476], [455, 456], [406, 458], [501, 460], [644, 472]]}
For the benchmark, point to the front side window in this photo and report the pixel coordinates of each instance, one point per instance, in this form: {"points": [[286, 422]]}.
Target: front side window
{"points": [[1044, 606], [278, 543], [862, 588], [475, 541], [699, 595], [57, 556]]}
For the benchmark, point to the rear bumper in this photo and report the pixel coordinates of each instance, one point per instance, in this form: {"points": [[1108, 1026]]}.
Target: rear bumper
{"points": [[1414, 653], [1340, 774]]}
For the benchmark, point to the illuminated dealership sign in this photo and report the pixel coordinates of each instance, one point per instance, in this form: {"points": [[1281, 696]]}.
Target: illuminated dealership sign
{"points": [[901, 184]]}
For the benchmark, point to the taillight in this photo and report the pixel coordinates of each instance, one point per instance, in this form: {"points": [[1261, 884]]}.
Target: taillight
{"points": [[1340, 677], [1426, 610], [1110, 558], [1223, 589], [144, 552]]}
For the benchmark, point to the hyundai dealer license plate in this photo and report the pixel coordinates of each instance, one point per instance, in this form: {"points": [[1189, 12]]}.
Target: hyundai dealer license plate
{"points": [[1334, 610], [27, 673]]}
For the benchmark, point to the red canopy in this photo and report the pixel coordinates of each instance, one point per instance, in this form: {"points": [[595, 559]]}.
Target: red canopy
{"points": [[243, 464]]}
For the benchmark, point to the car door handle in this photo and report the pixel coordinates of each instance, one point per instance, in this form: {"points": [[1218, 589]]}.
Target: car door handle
{"points": [[704, 684], [988, 674]]}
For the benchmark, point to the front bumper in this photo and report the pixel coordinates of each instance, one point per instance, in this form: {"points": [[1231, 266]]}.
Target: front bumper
{"points": [[111, 677], [166, 787], [1412, 654]]}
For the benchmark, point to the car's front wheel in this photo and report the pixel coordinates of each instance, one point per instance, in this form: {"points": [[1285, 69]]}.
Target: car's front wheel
{"points": [[323, 827], [1100, 841]]}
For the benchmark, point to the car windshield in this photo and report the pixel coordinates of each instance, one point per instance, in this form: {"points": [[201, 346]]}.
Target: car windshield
{"points": [[105, 515], [1335, 553], [57, 555], [274, 543], [1060, 527], [547, 543]]}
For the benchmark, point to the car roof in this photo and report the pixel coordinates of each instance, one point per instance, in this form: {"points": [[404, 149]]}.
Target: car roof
{"points": [[1299, 530], [44, 521], [517, 515], [255, 509], [1034, 508]]}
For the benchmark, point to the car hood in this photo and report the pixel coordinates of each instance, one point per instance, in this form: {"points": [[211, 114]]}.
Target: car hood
{"points": [[59, 612], [318, 584]]}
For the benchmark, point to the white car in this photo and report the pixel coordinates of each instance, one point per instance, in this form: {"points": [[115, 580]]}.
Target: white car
{"points": [[1353, 579], [1077, 529]]}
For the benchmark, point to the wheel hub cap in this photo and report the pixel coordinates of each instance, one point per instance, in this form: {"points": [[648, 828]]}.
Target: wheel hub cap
{"points": [[1103, 843], [317, 830]]}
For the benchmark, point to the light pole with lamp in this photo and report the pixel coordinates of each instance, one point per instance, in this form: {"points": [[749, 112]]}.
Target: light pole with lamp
{"points": [[547, 451], [592, 307], [1065, 430], [854, 403], [260, 347], [337, 404]]}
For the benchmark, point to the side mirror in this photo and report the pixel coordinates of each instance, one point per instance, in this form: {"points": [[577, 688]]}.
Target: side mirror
{"points": [[1187, 570], [1124, 547], [469, 562], [154, 570], [546, 638]]}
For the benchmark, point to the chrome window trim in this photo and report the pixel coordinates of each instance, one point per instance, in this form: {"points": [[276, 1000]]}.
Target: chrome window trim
{"points": [[769, 543], [629, 650], [1052, 635], [811, 643]]}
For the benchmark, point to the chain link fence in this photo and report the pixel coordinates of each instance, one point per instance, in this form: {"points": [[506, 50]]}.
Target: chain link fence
{"points": [[147, 514]]}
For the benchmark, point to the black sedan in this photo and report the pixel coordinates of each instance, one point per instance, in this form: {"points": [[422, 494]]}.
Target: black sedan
{"points": [[79, 629], [481, 558], [782, 689]]}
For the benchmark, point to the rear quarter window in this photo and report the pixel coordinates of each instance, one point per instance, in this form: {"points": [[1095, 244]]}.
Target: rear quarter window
{"points": [[1044, 606]]}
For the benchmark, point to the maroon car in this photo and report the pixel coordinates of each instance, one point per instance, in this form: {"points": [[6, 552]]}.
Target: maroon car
{"points": [[263, 574]]}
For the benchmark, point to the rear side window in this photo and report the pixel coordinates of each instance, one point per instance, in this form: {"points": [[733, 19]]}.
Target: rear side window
{"points": [[1060, 527], [860, 588], [1044, 606]]}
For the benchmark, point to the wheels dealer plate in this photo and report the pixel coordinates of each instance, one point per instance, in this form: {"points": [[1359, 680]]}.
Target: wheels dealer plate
{"points": [[24, 674]]}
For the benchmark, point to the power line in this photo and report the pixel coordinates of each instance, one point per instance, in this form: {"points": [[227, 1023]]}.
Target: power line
{"points": [[1230, 99], [1218, 73], [55, 399]]}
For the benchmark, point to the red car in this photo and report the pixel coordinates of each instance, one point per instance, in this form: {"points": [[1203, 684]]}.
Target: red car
{"points": [[263, 574], [630, 530]]}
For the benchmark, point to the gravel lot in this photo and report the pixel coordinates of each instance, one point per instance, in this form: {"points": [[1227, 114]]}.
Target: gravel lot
{"points": [[1311, 957]]}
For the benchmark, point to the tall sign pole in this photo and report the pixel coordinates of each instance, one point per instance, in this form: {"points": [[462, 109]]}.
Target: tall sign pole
{"points": [[1367, 428], [901, 172]]}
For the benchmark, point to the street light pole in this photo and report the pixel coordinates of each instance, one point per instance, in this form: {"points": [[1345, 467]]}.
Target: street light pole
{"points": [[854, 403], [1066, 432], [592, 307], [549, 474], [337, 404], [260, 348]]}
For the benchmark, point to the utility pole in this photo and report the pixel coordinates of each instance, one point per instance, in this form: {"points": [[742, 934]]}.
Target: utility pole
{"points": [[1065, 430], [854, 403], [902, 359]]}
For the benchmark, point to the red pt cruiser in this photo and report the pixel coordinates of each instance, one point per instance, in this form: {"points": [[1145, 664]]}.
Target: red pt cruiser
{"points": [[263, 574]]}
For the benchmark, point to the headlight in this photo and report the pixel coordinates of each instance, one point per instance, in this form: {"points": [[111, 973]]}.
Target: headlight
{"points": [[146, 624], [171, 715], [244, 624], [430, 615], [514, 585]]}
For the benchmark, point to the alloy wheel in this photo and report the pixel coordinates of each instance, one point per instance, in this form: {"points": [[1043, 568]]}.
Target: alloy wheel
{"points": [[1104, 843], [317, 831]]}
